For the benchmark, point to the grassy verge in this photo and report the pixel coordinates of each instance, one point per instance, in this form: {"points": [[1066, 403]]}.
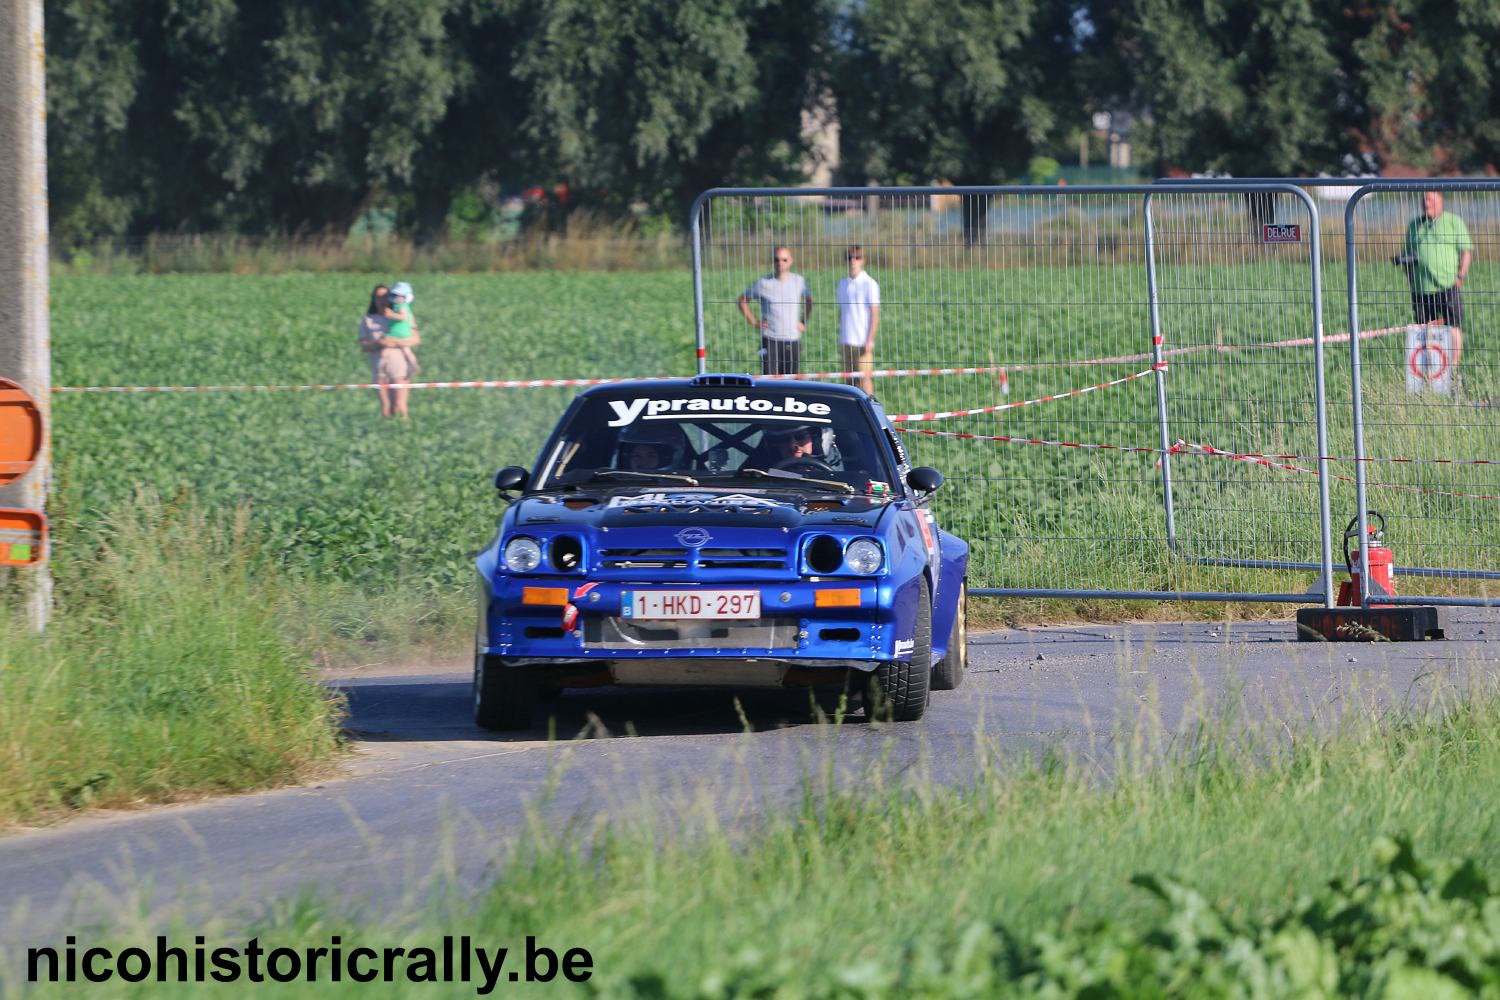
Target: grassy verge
{"points": [[166, 673], [1026, 881], [1244, 860]]}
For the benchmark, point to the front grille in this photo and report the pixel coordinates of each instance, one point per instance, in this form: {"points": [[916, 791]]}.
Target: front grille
{"points": [[643, 559], [778, 632], [748, 558]]}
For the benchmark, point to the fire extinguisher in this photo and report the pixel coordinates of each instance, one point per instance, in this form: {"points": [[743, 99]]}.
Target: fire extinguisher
{"points": [[1382, 576]]}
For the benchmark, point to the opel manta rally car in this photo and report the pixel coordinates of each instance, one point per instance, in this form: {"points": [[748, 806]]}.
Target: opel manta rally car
{"points": [[720, 530]]}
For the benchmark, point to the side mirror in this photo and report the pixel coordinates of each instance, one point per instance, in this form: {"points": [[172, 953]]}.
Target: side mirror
{"points": [[924, 480], [511, 478]]}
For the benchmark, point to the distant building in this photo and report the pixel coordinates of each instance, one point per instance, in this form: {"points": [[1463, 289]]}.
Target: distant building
{"points": [[1116, 127]]}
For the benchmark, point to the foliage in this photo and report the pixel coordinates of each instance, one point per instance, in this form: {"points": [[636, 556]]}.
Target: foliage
{"points": [[961, 90], [1407, 929], [297, 116], [1248, 88], [1433, 93], [165, 671], [288, 116], [655, 100]]}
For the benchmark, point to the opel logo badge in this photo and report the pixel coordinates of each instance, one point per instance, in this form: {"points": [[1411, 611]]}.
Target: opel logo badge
{"points": [[693, 537]]}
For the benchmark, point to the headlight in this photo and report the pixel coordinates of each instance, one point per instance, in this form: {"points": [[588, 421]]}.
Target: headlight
{"points": [[863, 556], [522, 555]]}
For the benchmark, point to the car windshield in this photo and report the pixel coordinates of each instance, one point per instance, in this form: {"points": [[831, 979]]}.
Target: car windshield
{"points": [[766, 437]]}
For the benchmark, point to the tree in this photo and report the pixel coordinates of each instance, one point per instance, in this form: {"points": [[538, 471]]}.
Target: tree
{"points": [[653, 100], [967, 91], [271, 116], [1253, 88], [93, 76], [1433, 92]]}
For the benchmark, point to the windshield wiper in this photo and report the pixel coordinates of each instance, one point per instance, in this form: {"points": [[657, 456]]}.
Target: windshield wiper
{"points": [[794, 477], [638, 474]]}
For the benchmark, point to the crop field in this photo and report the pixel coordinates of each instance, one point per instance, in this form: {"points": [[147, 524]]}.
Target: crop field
{"points": [[342, 494]]}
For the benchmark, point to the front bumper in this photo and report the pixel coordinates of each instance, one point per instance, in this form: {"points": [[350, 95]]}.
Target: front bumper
{"points": [[590, 628]]}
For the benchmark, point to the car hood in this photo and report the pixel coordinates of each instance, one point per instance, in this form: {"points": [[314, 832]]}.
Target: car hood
{"points": [[635, 506]]}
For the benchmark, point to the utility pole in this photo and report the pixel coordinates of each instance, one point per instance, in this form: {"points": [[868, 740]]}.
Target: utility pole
{"points": [[25, 348]]}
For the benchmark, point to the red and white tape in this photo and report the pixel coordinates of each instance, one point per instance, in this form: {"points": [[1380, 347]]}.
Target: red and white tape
{"points": [[513, 383], [1008, 439], [1271, 459], [900, 418], [1188, 448], [537, 383], [555, 383]]}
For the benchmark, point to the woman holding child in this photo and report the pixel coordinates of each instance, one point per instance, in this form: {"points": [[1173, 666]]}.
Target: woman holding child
{"points": [[387, 333]]}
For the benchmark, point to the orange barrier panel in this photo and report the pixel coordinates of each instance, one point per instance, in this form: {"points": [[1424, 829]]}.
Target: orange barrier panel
{"points": [[20, 431], [23, 537]]}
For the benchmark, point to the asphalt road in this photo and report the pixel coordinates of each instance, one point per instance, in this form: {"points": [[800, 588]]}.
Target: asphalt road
{"points": [[427, 794]]}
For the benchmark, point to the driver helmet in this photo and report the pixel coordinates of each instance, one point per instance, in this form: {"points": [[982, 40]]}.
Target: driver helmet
{"points": [[649, 449]]}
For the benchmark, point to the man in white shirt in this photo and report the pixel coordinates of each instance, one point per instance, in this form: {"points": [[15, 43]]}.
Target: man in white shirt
{"points": [[785, 307], [859, 319]]}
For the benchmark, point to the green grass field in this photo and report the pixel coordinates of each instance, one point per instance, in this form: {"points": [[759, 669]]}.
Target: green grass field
{"points": [[344, 495]]}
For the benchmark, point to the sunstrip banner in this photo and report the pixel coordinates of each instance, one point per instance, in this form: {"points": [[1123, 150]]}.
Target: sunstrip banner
{"points": [[628, 411]]}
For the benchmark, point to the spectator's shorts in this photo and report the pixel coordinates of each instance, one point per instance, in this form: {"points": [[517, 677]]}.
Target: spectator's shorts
{"points": [[1446, 306], [854, 359], [390, 364], [780, 357]]}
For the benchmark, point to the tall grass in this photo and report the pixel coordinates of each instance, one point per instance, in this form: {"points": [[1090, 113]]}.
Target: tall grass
{"points": [[583, 246], [166, 672]]}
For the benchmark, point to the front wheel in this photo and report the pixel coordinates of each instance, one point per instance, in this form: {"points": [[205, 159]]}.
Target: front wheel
{"points": [[898, 690], [504, 696], [949, 672]]}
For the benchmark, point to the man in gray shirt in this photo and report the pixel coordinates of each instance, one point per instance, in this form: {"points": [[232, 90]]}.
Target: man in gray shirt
{"points": [[785, 307]]}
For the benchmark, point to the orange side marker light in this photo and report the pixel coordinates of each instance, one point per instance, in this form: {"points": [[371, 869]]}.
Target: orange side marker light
{"points": [[837, 598], [554, 597]]}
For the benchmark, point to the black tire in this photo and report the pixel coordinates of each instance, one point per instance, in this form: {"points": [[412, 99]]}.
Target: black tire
{"points": [[949, 672], [504, 696], [898, 690]]}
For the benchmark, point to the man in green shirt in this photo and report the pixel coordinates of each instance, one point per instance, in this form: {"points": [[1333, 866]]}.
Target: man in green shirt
{"points": [[1437, 255]]}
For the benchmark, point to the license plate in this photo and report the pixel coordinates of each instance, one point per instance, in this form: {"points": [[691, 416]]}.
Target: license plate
{"points": [[710, 604]]}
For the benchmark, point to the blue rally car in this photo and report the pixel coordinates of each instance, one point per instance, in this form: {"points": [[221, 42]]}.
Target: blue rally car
{"points": [[720, 530]]}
